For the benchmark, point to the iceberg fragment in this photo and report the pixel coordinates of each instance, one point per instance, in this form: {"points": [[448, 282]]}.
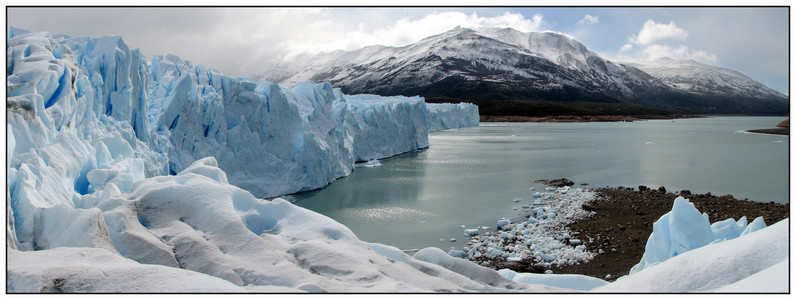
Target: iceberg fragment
{"points": [[714, 266], [684, 229]]}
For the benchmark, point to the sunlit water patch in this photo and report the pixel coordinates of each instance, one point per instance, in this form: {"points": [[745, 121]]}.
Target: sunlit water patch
{"points": [[387, 215]]}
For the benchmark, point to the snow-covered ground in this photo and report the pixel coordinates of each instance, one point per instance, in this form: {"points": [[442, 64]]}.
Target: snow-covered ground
{"points": [[127, 175]]}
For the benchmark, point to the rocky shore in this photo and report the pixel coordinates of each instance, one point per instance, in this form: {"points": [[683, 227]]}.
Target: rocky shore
{"points": [[783, 128], [777, 131], [622, 222]]}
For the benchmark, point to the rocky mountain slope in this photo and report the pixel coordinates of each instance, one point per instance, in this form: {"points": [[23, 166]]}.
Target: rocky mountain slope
{"points": [[542, 72]]}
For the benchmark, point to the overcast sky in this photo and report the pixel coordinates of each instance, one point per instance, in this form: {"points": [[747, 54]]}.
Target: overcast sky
{"points": [[243, 41]]}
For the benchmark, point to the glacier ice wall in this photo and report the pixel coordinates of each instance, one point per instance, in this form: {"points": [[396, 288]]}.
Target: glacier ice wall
{"points": [[447, 115], [272, 140], [92, 127], [376, 134], [269, 139], [74, 107], [89, 117]]}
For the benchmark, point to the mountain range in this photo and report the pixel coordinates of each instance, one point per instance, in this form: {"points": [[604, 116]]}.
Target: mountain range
{"points": [[509, 72]]}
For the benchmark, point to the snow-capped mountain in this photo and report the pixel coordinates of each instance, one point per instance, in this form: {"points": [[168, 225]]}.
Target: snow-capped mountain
{"points": [[534, 64], [503, 64], [697, 78]]}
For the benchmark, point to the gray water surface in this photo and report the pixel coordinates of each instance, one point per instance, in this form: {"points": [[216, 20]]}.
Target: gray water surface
{"points": [[470, 176]]}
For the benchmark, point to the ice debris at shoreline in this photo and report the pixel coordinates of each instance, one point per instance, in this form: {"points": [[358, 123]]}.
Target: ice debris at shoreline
{"points": [[542, 236]]}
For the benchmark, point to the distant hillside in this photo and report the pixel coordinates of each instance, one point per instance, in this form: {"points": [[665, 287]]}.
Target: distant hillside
{"points": [[508, 72]]}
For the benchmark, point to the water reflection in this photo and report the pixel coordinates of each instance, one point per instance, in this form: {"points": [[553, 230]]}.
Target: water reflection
{"points": [[470, 176], [399, 179]]}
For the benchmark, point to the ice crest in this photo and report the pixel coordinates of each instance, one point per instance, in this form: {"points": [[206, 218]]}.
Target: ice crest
{"points": [[685, 229]]}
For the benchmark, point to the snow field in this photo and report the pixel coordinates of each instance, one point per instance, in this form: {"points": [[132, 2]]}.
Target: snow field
{"points": [[196, 222]]}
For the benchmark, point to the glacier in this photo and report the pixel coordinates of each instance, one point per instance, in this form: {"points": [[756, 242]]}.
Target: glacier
{"points": [[272, 140], [128, 175], [448, 115]]}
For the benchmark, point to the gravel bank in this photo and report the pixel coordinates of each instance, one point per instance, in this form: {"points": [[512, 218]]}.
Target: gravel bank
{"points": [[623, 219]]}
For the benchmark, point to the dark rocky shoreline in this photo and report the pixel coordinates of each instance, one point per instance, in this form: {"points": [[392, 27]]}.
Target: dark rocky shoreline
{"points": [[783, 128], [777, 131], [623, 221]]}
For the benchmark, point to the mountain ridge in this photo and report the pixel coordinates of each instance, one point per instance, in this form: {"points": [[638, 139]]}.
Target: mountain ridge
{"points": [[497, 64]]}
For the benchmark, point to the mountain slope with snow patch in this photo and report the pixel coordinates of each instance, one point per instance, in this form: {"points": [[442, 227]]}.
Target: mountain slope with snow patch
{"points": [[489, 64]]}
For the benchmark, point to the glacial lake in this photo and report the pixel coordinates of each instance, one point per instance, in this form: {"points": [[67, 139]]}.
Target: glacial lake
{"points": [[470, 176]]}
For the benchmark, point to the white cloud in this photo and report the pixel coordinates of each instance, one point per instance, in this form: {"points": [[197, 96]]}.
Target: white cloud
{"points": [[656, 51], [656, 40], [588, 20], [241, 41], [652, 32]]}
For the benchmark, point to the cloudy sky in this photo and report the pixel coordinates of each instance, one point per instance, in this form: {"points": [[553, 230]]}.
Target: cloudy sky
{"points": [[243, 41]]}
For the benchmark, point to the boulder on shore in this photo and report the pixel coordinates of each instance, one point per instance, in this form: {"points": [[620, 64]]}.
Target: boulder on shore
{"points": [[560, 182]]}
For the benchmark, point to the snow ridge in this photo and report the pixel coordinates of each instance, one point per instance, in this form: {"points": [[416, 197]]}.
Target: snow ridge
{"points": [[694, 77], [545, 60]]}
